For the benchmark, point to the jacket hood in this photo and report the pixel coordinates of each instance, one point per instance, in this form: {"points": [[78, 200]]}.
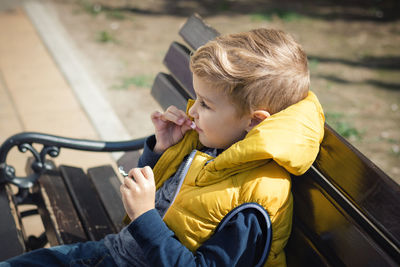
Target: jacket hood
{"points": [[290, 137]]}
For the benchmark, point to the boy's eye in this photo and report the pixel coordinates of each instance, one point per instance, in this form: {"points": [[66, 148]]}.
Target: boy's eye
{"points": [[203, 104]]}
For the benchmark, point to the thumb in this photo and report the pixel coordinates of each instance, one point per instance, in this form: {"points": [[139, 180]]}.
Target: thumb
{"points": [[156, 118]]}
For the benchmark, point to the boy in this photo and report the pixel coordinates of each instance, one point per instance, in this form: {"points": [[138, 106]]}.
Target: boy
{"points": [[221, 170]]}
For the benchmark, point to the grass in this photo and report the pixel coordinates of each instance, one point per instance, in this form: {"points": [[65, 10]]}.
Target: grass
{"points": [[141, 81], [223, 5], [105, 37], [261, 17], [288, 15], [313, 64], [115, 14], [338, 122], [395, 150], [95, 9], [394, 145], [285, 15], [90, 8]]}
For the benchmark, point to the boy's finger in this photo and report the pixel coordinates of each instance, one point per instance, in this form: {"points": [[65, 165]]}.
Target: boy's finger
{"points": [[137, 175], [172, 109], [183, 113], [185, 128], [156, 115], [129, 182], [175, 115], [148, 173], [124, 190], [169, 117], [180, 113], [157, 118]]}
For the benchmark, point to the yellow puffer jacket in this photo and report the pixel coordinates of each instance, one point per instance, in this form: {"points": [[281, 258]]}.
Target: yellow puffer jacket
{"points": [[254, 169]]}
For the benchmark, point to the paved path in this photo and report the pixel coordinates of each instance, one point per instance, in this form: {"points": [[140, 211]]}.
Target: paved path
{"points": [[38, 93], [34, 93]]}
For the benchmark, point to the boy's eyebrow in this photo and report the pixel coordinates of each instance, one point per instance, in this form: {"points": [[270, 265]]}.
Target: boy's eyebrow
{"points": [[204, 98]]}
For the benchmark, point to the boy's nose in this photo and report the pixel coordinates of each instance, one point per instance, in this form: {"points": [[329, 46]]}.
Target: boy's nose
{"points": [[192, 110]]}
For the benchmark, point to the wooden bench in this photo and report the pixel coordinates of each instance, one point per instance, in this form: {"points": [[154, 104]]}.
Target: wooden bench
{"points": [[346, 210]]}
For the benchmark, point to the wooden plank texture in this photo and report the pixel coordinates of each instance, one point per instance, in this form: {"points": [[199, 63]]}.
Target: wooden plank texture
{"points": [[196, 32], [57, 211], [332, 228], [10, 229], [87, 203], [177, 60], [168, 92], [129, 160], [369, 189], [300, 251], [107, 186]]}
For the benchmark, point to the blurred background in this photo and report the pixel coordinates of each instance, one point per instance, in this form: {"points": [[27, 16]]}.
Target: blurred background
{"points": [[353, 49]]}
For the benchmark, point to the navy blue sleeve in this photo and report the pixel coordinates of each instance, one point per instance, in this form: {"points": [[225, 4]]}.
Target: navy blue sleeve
{"points": [[149, 157], [238, 243]]}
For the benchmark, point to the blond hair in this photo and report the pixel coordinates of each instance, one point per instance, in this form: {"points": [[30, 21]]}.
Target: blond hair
{"points": [[259, 69]]}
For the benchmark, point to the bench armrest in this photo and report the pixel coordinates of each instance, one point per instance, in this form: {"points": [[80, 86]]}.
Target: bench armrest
{"points": [[51, 146]]}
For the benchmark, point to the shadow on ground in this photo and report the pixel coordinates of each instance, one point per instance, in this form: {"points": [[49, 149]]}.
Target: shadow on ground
{"points": [[352, 10]]}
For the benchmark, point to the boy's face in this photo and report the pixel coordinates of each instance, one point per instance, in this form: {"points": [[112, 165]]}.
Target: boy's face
{"points": [[216, 118]]}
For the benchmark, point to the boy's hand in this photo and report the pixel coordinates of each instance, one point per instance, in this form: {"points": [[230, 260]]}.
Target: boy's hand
{"points": [[138, 192], [170, 127]]}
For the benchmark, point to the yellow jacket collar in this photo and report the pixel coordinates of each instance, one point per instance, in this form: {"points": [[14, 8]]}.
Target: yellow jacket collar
{"points": [[290, 137]]}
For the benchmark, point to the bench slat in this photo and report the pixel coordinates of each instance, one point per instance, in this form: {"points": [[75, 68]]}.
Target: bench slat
{"points": [[177, 60], [168, 92], [57, 211], [87, 203], [196, 32], [366, 186], [300, 251], [10, 230], [334, 229], [129, 160], [107, 186]]}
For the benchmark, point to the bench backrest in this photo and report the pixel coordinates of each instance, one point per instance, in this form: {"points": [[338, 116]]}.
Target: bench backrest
{"points": [[346, 209]]}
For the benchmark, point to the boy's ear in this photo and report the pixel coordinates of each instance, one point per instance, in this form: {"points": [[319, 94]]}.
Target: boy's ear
{"points": [[257, 117]]}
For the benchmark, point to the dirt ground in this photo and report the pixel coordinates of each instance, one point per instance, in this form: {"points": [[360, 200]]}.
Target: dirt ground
{"points": [[354, 56]]}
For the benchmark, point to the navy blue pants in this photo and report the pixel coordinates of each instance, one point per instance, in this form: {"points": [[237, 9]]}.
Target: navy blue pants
{"points": [[92, 253]]}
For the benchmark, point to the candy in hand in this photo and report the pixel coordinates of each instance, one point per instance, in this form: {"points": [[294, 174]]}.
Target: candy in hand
{"points": [[122, 172]]}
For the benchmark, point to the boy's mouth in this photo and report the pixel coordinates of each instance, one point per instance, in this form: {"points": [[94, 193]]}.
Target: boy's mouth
{"points": [[195, 127]]}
